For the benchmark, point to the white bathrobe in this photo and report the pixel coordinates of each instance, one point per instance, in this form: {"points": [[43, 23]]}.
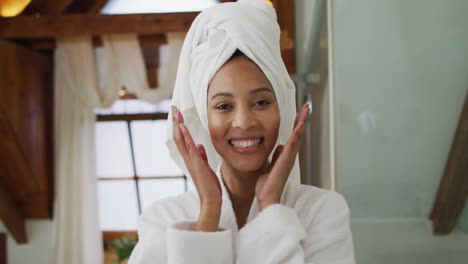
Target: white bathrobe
{"points": [[310, 225]]}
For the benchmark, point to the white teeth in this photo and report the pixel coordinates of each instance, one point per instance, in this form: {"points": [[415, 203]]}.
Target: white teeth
{"points": [[245, 143]]}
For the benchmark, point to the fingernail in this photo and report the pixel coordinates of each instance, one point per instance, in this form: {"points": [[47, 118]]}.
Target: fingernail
{"points": [[173, 112], [309, 108]]}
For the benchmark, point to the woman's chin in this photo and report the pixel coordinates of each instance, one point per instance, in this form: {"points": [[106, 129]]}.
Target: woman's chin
{"points": [[248, 165]]}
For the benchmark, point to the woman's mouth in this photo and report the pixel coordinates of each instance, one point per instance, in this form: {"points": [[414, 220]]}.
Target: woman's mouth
{"points": [[246, 145]]}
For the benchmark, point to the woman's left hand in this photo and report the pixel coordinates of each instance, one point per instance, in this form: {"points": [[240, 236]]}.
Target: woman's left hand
{"points": [[270, 185]]}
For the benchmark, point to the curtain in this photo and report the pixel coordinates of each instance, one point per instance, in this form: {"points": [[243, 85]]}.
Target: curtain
{"points": [[86, 79]]}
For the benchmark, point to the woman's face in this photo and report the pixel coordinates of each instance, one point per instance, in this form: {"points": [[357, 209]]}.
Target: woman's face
{"points": [[243, 115]]}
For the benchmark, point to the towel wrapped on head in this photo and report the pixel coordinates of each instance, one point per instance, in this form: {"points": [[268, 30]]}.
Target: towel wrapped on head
{"points": [[251, 27]]}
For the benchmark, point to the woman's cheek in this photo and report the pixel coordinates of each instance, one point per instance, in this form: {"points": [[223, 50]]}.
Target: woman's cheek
{"points": [[273, 127], [217, 127]]}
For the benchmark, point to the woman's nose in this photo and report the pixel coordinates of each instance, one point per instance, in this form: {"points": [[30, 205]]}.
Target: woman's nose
{"points": [[244, 119]]}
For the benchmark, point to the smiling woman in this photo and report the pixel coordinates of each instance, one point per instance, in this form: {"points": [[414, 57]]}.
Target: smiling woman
{"points": [[235, 132]]}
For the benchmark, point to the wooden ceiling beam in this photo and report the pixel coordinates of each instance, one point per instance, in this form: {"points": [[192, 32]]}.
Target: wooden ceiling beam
{"points": [[151, 58], [46, 7], [49, 43], [86, 6], [29, 27], [453, 188], [12, 217]]}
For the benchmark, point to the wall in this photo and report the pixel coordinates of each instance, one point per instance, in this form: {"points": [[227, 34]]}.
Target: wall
{"points": [[401, 76], [38, 250]]}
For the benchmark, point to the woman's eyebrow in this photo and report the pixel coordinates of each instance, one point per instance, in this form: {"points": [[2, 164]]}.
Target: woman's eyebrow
{"points": [[261, 89], [258, 90], [222, 94]]}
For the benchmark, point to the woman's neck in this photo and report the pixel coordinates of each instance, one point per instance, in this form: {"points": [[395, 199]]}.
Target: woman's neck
{"points": [[241, 189], [240, 184]]}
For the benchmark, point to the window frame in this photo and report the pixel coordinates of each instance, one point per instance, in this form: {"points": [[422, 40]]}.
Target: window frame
{"points": [[109, 236]]}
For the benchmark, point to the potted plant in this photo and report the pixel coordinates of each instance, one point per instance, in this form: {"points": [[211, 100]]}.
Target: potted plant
{"points": [[123, 248]]}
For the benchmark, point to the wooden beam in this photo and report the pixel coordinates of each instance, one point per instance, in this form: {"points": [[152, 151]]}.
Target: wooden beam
{"points": [[25, 122], [131, 117], [151, 58], [46, 7], [453, 188], [48, 44], [113, 235], [86, 6], [14, 167], [3, 248], [12, 217], [27, 27]]}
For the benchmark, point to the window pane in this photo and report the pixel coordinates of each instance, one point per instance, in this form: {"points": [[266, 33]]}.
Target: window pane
{"points": [[190, 184], [113, 150], [155, 189], [135, 106], [118, 207], [151, 155]]}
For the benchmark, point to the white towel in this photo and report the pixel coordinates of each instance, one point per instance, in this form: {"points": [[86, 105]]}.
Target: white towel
{"points": [[247, 25]]}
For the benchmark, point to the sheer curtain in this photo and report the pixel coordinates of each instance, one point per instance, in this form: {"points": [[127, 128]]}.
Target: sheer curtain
{"points": [[85, 79]]}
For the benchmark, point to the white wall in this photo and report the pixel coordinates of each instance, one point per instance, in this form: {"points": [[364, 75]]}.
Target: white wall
{"points": [[38, 250], [401, 76]]}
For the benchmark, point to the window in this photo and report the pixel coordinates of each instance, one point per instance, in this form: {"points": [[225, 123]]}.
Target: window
{"points": [[133, 165]]}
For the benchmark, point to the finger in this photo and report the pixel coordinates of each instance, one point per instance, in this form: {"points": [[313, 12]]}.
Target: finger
{"points": [[196, 158], [191, 147], [287, 157], [276, 154], [178, 137], [180, 116], [201, 150], [298, 114], [303, 114], [296, 137]]}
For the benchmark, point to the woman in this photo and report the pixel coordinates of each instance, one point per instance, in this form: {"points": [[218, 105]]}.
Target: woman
{"points": [[233, 96]]}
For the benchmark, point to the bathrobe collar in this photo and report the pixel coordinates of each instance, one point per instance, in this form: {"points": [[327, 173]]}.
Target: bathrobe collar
{"points": [[228, 217]]}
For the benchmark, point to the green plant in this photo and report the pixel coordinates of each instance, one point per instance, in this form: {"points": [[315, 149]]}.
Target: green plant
{"points": [[123, 248]]}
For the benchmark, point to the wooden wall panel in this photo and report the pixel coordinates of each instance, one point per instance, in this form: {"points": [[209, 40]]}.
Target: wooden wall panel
{"points": [[47, 7], [25, 77], [453, 189], [3, 248], [12, 216], [285, 14]]}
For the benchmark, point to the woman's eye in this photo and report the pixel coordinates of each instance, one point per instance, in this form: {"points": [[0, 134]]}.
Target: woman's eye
{"points": [[261, 103], [223, 107]]}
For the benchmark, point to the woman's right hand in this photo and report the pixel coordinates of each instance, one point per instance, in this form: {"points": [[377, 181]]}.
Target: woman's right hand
{"points": [[205, 180]]}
